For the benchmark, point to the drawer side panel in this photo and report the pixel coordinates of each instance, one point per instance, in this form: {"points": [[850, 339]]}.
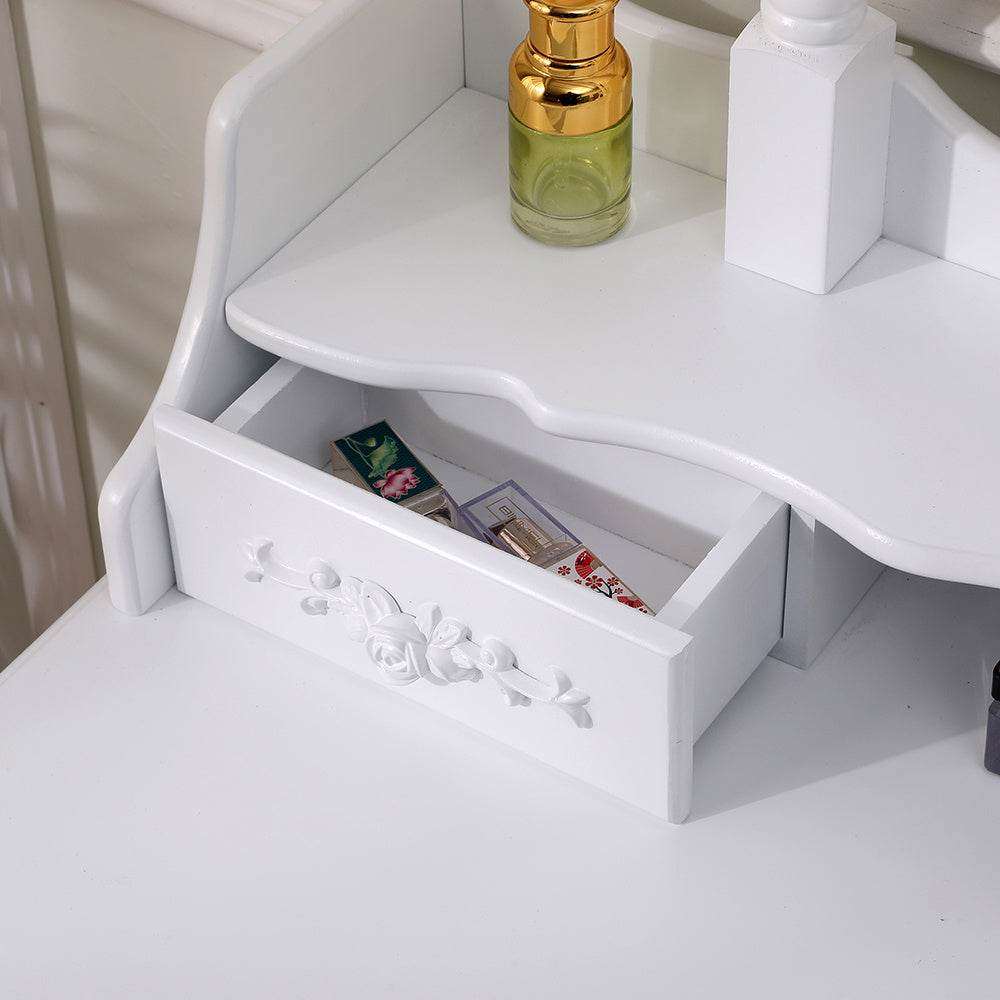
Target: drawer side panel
{"points": [[733, 605]]}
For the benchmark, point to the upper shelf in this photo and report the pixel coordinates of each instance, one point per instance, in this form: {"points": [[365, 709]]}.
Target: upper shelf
{"points": [[872, 409]]}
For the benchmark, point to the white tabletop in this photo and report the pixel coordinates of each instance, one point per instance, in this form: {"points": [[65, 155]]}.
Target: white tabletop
{"points": [[872, 408], [191, 808]]}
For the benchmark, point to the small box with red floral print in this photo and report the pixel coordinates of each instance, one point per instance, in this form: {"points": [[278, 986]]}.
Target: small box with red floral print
{"points": [[583, 567]]}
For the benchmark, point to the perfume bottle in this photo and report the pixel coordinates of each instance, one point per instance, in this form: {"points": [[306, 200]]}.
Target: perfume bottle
{"points": [[570, 124]]}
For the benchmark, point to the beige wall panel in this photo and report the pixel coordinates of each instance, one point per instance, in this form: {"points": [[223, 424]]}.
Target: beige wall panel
{"points": [[122, 95]]}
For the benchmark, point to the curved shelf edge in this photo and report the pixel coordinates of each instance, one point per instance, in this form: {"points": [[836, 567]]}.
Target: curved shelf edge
{"points": [[902, 553]]}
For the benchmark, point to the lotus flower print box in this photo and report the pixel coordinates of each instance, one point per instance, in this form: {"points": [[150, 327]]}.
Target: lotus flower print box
{"points": [[376, 458]]}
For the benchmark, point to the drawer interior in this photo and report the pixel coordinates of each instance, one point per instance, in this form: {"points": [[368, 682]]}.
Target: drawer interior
{"points": [[650, 518]]}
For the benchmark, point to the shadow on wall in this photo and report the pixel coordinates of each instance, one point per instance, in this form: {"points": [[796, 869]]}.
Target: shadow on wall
{"points": [[974, 89], [728, 17], [118, 97], [15, 632], [119, 296]]}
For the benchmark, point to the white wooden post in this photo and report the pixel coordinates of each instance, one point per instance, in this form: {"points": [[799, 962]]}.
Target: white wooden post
{"points": [[809, 101]]}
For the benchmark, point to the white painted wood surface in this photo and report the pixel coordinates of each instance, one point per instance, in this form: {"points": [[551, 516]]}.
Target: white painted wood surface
{"points": [[943, 178], [870, 409], [247, 494], [257, 195], [826, 579], [648, 698], [808, 141], [250, 821], [46, 561], [732, 607], [248, 146]]}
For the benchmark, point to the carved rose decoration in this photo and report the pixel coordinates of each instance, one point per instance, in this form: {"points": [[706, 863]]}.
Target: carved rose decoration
{"points": [[406, 648]]}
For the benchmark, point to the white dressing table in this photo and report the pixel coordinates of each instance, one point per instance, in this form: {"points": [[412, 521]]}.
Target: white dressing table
{"points": [[216, 807]]}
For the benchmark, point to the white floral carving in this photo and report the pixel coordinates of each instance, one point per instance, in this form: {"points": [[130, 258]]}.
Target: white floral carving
{"points": [[406, 648]]}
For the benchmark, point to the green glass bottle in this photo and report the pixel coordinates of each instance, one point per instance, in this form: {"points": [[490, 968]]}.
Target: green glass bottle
{"points": [[570, 124]]}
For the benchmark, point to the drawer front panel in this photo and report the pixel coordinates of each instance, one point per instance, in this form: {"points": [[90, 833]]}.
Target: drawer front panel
{"points": [[595, 689]]}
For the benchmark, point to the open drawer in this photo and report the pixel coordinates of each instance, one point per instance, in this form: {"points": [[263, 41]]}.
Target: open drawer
{"points": [[260, 529]]}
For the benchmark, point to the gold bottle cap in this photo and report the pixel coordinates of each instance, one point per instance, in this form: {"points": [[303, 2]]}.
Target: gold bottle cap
{"points": [[570, 76]]}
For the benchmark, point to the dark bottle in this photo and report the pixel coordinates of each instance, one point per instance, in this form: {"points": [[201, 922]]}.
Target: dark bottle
{"points": [[992, 760]]}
